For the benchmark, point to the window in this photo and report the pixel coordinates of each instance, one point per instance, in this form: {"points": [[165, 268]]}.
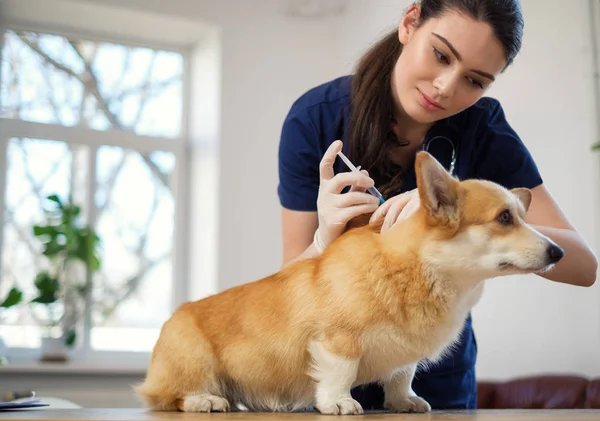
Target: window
{"points": [[101, 122]]}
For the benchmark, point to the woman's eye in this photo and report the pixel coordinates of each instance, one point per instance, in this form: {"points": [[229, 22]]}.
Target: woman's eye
{"points": [[475, 82], [440, 56], [505, 217]]}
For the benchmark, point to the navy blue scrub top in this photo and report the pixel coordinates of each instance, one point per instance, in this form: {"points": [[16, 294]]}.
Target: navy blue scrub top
{"points": [[486, 147]]}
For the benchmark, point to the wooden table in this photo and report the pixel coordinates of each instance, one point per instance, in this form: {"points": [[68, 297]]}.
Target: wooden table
{"points": [[144, 415]]}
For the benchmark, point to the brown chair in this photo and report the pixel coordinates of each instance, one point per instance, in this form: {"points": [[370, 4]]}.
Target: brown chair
{"points": [[540, 392]]}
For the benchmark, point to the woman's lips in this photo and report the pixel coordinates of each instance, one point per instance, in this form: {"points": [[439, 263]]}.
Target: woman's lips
{"points": [[428, 103]]}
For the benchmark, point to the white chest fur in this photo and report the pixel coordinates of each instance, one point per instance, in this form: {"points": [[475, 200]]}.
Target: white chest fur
{"points": [[387, 348]]}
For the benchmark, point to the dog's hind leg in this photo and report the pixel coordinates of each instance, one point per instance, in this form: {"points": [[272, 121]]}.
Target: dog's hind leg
{"points": [[170, 387], [183, 374], [175, 388], [204, 402]]}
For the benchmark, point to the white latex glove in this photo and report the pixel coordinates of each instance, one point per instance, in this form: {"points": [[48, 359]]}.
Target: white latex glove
{"points": [[335, 209], [397, 208]]}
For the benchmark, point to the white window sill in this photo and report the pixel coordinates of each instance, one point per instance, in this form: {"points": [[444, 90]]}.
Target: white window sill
{"points": [[73, 368], [92, 363]]}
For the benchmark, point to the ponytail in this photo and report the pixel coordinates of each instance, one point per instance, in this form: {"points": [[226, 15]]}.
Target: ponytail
{"points": [[370, 130]]}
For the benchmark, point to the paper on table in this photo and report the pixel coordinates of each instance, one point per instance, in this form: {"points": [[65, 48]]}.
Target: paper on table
{"points": [[22, 404]]}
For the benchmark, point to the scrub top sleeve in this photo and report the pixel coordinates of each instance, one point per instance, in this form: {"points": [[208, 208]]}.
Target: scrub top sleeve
{"points": [[503, 157], [298, 161]]}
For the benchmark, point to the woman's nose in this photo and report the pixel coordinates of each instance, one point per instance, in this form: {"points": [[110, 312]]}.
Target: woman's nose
{"points": [[445, 84]]}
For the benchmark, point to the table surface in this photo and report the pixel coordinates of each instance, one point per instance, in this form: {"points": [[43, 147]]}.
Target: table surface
{"points": [[119, 414]]}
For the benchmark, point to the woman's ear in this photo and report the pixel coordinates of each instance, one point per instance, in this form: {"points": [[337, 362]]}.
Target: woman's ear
{"points": [[409, 23]]}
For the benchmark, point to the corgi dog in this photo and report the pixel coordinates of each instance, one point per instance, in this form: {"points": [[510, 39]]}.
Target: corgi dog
{"points": [[371, 308]]}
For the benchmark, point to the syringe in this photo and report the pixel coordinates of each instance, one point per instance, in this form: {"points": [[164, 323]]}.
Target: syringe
{"points": [[371, 190]]}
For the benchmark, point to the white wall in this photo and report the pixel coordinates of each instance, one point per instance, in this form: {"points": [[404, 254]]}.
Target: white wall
{"points": [[523, 324]]}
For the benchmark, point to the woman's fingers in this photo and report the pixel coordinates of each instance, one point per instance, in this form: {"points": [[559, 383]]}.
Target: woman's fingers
{"points": [[396, 208], [357, 180], [411, 207], [345, 179], [326, 165], [392, 214], [355, 198], [355, 187], [353, 211], [394, 202], [401, 209], [334, 208]]}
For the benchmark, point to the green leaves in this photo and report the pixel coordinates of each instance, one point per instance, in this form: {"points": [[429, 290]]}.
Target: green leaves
{"points": [[48, 287], [596, 146], [70, 337], [65, 238], [87, 241], [56, 199], [14, 297]]}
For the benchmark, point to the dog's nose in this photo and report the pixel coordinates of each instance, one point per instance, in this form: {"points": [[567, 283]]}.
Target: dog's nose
{"points": [[555, 253]]}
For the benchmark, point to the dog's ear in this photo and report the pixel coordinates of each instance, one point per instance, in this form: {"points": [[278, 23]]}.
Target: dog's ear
{"points": [[524, 196], [438, 191]]}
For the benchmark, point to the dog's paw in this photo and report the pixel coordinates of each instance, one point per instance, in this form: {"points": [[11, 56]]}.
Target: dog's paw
{"points": [[205, 403], [411, 403], [343, 406]]}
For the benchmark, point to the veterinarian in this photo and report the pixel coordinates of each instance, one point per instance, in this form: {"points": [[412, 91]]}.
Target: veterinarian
{"points": [[424, 81]]}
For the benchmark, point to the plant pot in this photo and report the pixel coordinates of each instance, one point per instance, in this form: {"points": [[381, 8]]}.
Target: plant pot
{"points": [[54, 350]]}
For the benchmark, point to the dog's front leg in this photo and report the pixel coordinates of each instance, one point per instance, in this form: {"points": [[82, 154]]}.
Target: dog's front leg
{"points": [[399, 395], [334, 369]]}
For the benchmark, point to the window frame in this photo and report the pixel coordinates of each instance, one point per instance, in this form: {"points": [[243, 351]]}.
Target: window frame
{"points": [[179, 146]]}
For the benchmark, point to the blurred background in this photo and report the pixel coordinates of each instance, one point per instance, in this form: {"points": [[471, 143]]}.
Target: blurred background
{"points": [[138, 170]]}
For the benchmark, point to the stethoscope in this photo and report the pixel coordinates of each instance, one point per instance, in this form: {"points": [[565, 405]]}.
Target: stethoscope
{"points": [[453, 145]]}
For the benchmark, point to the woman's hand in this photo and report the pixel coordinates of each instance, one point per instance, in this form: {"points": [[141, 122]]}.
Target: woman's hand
{"points": [[335, 209], [397, 208]]}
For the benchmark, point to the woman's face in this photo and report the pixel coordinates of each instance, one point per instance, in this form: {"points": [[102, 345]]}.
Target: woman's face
{"points": [[446, 65]]}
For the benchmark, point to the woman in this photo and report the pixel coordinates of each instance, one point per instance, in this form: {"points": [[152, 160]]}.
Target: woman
{"points": [[424, 82]]}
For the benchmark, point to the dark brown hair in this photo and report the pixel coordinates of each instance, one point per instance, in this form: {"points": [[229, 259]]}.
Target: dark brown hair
{"points": [[370, 129]]}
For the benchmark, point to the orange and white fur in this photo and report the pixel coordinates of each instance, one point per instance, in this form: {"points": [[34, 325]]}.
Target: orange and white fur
{"points": [[371, 308]]}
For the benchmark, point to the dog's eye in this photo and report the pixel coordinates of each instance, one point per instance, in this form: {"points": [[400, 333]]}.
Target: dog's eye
{"points": [[505, 217]]}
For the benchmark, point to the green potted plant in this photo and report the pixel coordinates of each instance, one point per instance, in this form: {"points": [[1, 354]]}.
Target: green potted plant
{"points": [[14, 297], [72, 249]]}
